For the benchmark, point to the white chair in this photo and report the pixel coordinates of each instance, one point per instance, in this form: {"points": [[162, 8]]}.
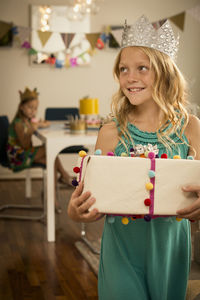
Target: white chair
{"points": [[4, 124]]}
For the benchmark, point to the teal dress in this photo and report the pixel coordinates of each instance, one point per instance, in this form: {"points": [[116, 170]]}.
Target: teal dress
{"points": [[145, 260]]}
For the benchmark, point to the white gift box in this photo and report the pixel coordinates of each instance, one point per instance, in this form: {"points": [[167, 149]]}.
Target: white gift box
{"points": [[118, 184]]}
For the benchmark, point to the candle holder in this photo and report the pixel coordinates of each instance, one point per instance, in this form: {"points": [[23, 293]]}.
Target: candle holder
{"points": [[89, 110], [77, 126]]}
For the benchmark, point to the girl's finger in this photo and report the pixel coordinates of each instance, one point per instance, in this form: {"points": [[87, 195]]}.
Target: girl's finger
{"points": [[192, 216], [90, 216], [86, 205], [82, 199], [191, 188], [189, 209], [78, 190]]}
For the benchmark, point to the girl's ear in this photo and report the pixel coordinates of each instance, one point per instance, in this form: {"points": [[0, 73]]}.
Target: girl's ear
{"points": [[20, 107]]}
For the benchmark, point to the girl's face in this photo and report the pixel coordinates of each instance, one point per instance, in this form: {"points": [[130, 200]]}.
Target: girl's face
{"points": [[135, 76], [29, 109]]}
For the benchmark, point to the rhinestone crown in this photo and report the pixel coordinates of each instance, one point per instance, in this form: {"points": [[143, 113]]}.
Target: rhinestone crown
{"points": [[142, 33]]}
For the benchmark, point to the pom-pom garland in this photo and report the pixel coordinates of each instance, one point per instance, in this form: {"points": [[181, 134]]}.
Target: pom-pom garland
{"points": [[110, 153], [147, 218], [98, 152], [164, 155], [151, 173], [176, 157], [151, 155], [111, 219], [124, 154], [147, 202], [190, 157], [76, 170], [74, 182], [125, 220], [149, 186], [82, 153]]}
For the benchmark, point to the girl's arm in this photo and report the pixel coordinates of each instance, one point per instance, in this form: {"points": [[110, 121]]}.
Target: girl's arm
{"points": [[24, 135], [107, 138], [192, 133], [78, 208]]}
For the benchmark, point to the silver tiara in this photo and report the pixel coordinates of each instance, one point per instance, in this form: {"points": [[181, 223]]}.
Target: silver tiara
{"points": [[142, 33]]}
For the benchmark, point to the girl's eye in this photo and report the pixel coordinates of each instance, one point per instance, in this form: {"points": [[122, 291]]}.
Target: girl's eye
{"points": [[122, 69], [143, 68]]}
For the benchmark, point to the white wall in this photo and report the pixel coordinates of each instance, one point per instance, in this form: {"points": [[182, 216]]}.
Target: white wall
{"points": [[64, 87]]}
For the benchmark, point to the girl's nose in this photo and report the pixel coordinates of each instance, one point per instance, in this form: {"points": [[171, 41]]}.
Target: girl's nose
{"points": [[132, 77]]}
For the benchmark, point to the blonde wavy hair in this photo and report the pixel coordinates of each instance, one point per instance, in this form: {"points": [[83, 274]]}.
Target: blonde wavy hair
{"points": [[169, 93]]}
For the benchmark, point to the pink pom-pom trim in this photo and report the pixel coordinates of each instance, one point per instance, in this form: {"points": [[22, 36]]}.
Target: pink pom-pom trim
{"points": [[110, 153], [151, 155]]}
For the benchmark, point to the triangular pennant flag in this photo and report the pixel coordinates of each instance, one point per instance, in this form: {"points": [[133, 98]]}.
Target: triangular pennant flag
{"points": [[113, 42], [4, 28], [6, 35], [23, 33], [92, 38], [117, 34], [44, 36], [179, 20], [67, 38], [195, 12]]}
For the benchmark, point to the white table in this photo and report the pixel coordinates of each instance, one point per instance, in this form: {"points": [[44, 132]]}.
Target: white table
{"points": [[56, 138]]}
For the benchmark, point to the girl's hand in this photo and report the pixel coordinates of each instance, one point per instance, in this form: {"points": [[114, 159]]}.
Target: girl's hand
{"points": [[34, 126], [193, 211], [43, 124], [78, 208]]}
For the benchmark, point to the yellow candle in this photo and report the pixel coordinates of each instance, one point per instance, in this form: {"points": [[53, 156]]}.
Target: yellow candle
{"points": [[89, 106]]}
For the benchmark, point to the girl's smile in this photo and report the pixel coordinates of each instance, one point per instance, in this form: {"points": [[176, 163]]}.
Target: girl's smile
{"points": [[135, 89]]}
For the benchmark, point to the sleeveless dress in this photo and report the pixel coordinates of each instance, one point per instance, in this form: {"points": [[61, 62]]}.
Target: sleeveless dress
{"points": [[145, 260], [18, 157]]}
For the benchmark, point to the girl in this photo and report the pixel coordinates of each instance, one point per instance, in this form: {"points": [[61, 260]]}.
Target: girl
{"points": [[21, 153], [145, 260]]}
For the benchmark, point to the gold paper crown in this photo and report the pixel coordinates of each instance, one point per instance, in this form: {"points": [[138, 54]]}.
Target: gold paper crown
{"points": [[142, 33], [28, 94]]}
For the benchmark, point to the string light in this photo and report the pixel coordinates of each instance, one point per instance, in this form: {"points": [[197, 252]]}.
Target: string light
{"points": [[83, 7], [45, 13]]}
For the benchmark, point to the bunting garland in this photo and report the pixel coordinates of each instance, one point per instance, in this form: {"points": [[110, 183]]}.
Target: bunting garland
{"points": [[44, 36], [74, 49], [179, 20]]}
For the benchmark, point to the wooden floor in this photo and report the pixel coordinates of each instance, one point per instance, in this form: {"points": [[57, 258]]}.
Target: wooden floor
{"points": [[30, 267]]}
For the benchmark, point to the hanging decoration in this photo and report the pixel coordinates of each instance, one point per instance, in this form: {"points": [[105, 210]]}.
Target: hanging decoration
{"points": [[179, 20], [6, 35], [45, 14], [77, 48], [44, 36], [82, 7]]}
